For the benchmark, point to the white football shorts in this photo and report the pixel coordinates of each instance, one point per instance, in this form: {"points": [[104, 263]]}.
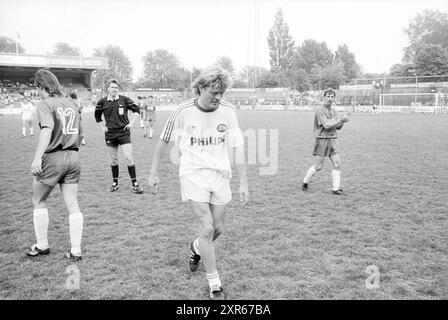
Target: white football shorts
{"points": [[206, 185]]}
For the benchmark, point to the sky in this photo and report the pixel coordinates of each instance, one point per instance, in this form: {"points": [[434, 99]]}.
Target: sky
{"points": [[198, 32]]}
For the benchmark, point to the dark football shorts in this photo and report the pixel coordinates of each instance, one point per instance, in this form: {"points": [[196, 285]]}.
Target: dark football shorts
{"points": [[324, 147], [61, 166], [114, 138]]}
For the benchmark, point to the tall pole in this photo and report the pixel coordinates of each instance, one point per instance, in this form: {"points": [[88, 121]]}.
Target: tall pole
{"points": [[255, 42], [415, 95], [248, 50], [320, 76]]}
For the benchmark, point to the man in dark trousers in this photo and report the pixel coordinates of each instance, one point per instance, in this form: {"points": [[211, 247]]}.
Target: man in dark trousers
{"points": [[117, 130]]}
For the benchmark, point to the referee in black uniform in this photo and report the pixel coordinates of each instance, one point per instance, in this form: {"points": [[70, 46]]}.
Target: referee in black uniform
{"points": [[117, 130]]}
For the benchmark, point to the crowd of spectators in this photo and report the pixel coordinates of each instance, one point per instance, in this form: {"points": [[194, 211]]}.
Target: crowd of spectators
{"points": [[11, 93]]}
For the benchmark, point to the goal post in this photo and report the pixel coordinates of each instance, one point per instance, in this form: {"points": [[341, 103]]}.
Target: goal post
{"points": [[409, 99]]}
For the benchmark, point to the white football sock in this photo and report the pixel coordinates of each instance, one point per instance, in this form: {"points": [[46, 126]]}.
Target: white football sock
{"points": [[40, 221], [150, 132], [213, 279], [31, 131], [196, 246], [336, 179], [23, 131], [309, 174], [75, 224]]}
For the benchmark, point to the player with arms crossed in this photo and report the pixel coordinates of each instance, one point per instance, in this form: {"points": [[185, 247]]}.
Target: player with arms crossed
{"points": [[326, 125], [55, 162], [203, 128]]}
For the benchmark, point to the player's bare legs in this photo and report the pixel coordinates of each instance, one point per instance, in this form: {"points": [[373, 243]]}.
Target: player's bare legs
{"points": [[205, 214], [318, 165], [336, 173], [41, 192], [23, 128], [76, 219], [40, 218], [128, 154], [142, 117], [204, 220], [150, 129], [30, 124], [219, 217], [113, 152], [146, 129]]}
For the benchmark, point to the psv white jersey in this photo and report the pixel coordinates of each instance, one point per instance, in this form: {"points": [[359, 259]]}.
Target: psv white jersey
{"points": [[27, 111], [203, 136]]}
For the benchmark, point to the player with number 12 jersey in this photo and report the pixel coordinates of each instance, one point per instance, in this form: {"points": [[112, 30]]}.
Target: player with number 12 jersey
{"points": [[56, 161], [62, 116]]}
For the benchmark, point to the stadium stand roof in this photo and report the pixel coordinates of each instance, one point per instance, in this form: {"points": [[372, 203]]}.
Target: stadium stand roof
{"points": [[53, 61]]}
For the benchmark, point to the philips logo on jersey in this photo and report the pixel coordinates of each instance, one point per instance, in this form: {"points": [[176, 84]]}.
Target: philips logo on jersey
{"points": [[221, 127], [207, 141]]}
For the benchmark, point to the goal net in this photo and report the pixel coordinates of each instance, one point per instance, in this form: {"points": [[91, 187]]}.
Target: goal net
{"points": [[410, 99]]}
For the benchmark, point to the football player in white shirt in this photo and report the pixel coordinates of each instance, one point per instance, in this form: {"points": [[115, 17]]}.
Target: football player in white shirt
{"points": [[28, 111], [203, 128]]}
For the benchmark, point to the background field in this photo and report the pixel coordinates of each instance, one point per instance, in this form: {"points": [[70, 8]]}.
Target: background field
{"points": [[284, 244]]}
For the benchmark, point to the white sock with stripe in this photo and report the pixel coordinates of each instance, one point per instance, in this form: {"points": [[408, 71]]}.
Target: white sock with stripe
{"points": [[196, 246], [76, 224], [336, 174], [213, 279], [309, 174], [40, 221]]}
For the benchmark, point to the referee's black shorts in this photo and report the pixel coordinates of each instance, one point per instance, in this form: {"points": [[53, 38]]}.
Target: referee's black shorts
{"points": [[117, 137]]}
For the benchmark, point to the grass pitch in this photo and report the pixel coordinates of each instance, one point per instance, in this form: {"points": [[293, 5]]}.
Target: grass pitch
{"points": [[285, 244]]}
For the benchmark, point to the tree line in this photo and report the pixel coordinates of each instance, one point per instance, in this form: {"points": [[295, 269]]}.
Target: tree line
{"points": [[310, 65]]}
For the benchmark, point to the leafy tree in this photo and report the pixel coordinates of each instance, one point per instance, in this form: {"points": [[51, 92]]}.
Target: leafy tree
{"points": [[64, 49], [9, 45], [276, 77], [161, 69], [428, 27], [299, 79], [329, 76], [430, 59], [312, 53], [120, 67], [427, 53], [195, 73], [351, 68], [280, 43], [226, 63]]}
